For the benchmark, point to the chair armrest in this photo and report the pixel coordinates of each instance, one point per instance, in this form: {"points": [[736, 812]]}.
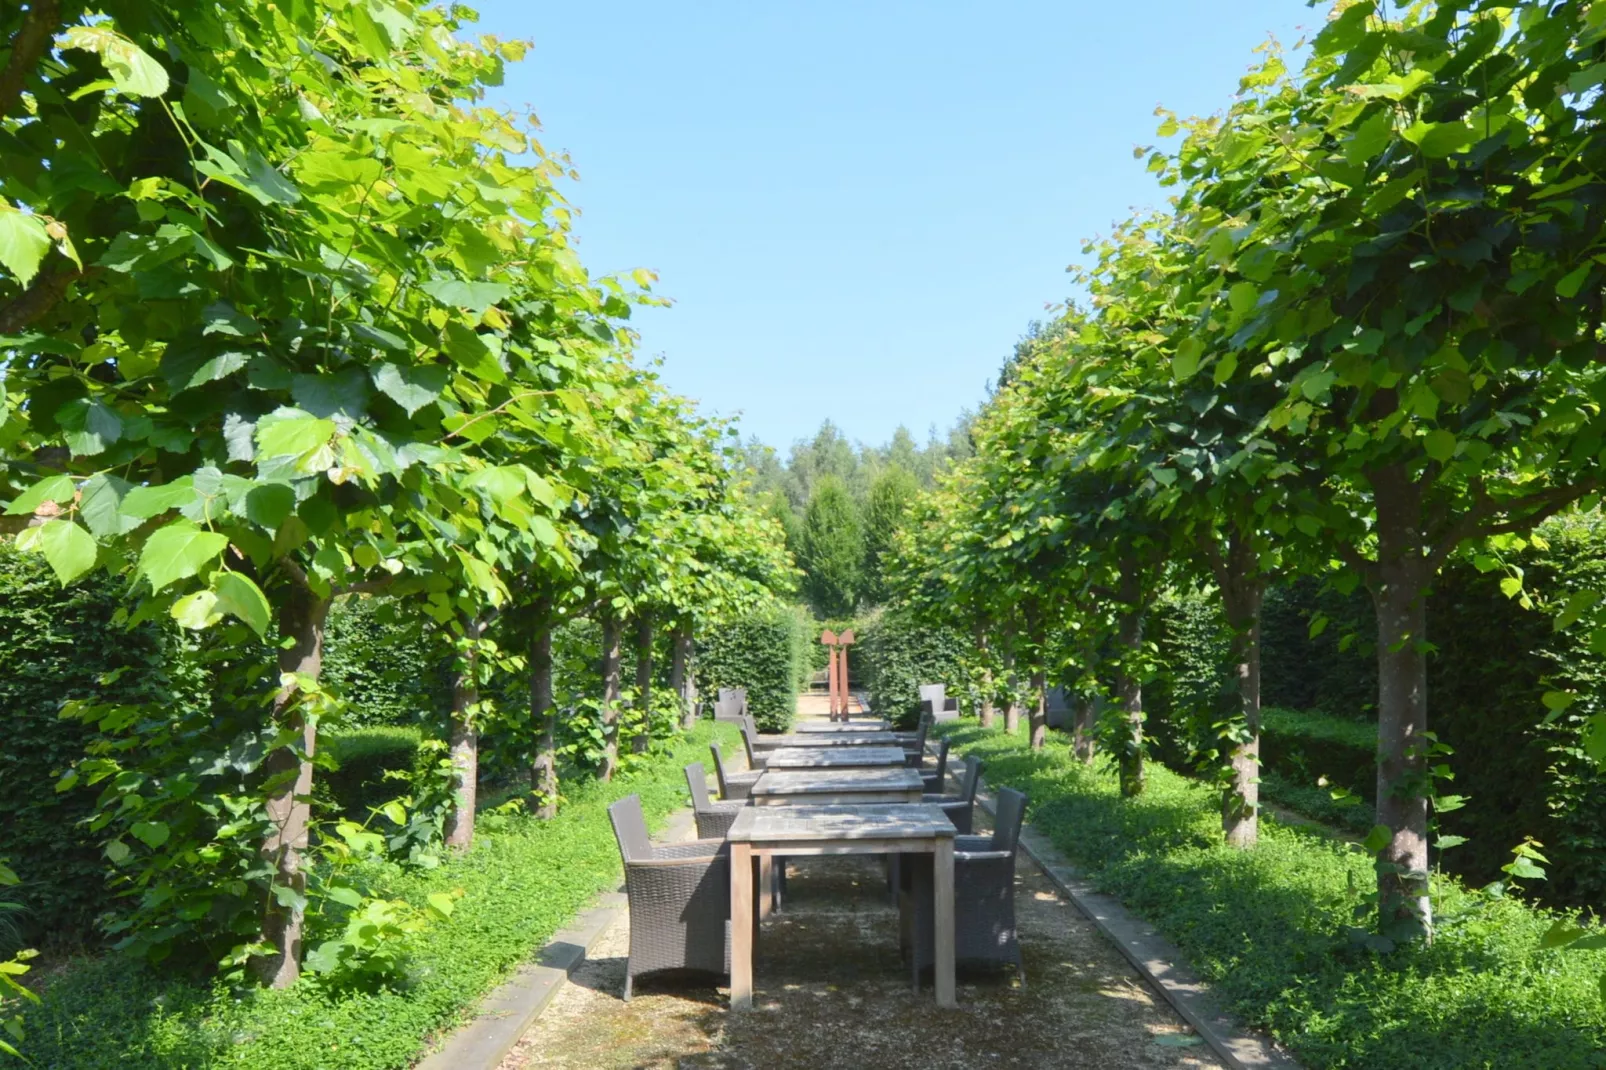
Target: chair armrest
{"points": [[982, 856], [973, 844], [691, 849]]}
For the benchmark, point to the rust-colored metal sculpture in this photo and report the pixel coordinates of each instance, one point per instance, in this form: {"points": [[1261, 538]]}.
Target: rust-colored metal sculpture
{"points": [[828, 639], [843, 641]]}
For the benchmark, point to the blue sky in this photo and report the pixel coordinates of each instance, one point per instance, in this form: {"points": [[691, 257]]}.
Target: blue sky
{"points": [[858, 207]]}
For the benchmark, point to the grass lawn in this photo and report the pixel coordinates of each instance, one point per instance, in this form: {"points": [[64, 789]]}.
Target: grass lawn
{"points": [[522, 881], [1268, 927]]}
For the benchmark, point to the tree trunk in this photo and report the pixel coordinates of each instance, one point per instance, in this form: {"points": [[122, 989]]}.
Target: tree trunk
{"points": [[680, 676], [985, 713], [1084, 737], [544, 774], [301, 620], [1011, 681], [643, 739], [1243, 591], [611, 629], [465, 742], [1039, 718], [1399, 593], [1129, 685]]}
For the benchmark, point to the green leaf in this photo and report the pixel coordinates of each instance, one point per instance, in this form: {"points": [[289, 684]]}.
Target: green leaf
{"points": [[69, 549], [59, 489], [1185, 361], [142, 503], [1557, 700], [237, 594], [1444, 843], [1379, 838], [196, 611], [100, 506], [443, 903], [345, 895], [476, 297], [1573, 281], [89, 425], [1242, 297], [411, 387], [132, 70], [178, 551], [1439, 444], [292, 433], [151, 833], [117, 851], [23, 243]]}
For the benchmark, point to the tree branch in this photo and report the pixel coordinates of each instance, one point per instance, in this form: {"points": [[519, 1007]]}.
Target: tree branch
{"points": [[28, 44], [297, 574], [1536, 508], [365, 587], [39, 298]]}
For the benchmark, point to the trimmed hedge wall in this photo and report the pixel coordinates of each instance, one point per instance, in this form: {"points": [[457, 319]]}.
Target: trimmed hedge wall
{"points": [[56, 645], [900, 654], [388, 668], [1493, 661], [767, 652], [362, 757]]}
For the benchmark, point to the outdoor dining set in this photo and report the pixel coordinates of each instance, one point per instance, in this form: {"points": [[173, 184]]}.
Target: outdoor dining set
{"points": [[843, 788]]}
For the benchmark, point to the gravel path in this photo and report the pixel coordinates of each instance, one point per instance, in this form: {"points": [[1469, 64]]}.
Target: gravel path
{"points": [[831, 992]]}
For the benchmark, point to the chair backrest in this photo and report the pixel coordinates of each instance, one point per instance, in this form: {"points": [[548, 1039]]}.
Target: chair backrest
{"points": [[719, 770], [933, 693], [736, 697], [630, 829], [942, 763], [697, 781], [749, 724], [1010, 812], [920, 737], [967, 784], [749, 739]]}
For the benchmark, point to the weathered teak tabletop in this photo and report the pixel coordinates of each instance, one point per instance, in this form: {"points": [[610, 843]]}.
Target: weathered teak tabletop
{"points": [[830, 739], [834, 757], [838, 728], [793, 831], [838, 787]]}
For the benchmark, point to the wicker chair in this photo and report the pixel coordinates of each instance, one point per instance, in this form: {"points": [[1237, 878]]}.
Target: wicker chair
{"points": [[960, 808], [755, 759], [914, 752], [908, 739], [933, 781], [984, 897], [680, 904], [713, 818], [732, 786], [737, 697]]}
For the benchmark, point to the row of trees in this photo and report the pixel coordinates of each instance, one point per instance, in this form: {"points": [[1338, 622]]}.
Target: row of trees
{"points": [[287, 315], [1366, 336]]}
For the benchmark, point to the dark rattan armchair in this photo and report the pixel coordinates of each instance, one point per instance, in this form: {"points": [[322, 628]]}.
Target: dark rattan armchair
{"points": [[755, 760], [914, 751], [680, 903], [961, 807], [984, 897], [732, 786], [713, 818], [934, 780]]}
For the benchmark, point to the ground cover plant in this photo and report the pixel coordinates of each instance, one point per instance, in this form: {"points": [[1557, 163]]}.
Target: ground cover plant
{"points": [[521, 882], [1275, 929]]}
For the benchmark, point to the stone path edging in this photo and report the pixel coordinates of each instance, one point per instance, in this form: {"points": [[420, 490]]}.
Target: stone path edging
{"points": [[508, 1012], [1154, 957]]}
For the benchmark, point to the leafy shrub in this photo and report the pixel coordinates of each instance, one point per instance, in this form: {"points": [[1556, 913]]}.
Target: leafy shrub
{"points": [[766, 652], [522, 881], [57, 645], [362, 757], [1267, 929], [385, 663], [1307, 747], [901, 652]]}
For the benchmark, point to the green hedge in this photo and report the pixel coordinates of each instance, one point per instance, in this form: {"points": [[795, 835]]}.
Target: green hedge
{"points": [[1493, 661], [521, 883], [1266, 928], [362, 757], [901, 652], [56, 645], [767, 652], [386, 664]]}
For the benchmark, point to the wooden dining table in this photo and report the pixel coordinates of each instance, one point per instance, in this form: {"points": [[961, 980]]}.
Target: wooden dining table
{"points": [[838, 787], [824, 739], [834, 758], [838, 728], [763, 832]]}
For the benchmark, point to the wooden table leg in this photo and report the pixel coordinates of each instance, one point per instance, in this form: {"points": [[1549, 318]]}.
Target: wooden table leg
{"points": [[766, 885], [742, 926], [943, 887]]}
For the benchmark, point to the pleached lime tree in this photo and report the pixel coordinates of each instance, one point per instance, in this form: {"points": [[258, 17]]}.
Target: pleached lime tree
{"points": [[251, 349]]}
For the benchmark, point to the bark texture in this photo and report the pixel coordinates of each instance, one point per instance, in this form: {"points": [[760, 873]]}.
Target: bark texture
{"points": [[1243, 590], [680, 675], [544, 773], [301, 619], [1399, 593], [1012, 707], [465, 744], [984, 711], [611, 669], [1129, 685], [1039, 718], [643, 738]]}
